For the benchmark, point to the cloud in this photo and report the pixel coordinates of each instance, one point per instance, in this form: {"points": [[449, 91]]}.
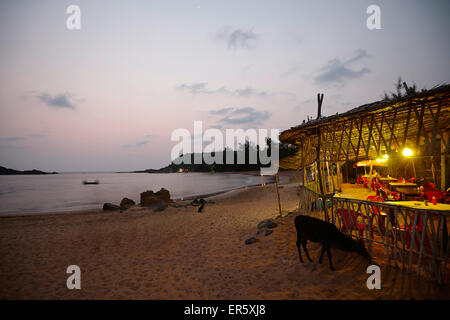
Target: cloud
{"points": [[216, 126], [21, 138], [220, 111], [7, 146], [141, 143], [194, 88], [245, 116], [201, 88], [338, 72], [237, 38], [12, 139], [57, 101]]}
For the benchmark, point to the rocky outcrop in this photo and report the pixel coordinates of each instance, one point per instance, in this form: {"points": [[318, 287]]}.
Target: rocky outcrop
{"points": [[157, 201], [7, 171], [126, 203], [148, 198], [268, 223], [110, 207], [251, 240], [159, 206], [163, 194]]}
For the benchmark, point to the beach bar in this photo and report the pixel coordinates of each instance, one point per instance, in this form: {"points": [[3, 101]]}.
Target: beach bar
{"points": [[380, 173]]}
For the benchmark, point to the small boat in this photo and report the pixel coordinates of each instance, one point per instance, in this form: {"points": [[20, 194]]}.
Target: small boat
{"points": [[91, 182]]}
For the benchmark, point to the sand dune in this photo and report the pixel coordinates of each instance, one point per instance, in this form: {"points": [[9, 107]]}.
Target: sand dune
{"points": [[182, 254]]}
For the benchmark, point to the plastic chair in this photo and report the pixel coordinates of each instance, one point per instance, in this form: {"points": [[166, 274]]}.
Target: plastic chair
{"points": [[385, 193], [349, 220], [373, 211], [365, 182], [408, 230], [429, 186], [429, 194]]}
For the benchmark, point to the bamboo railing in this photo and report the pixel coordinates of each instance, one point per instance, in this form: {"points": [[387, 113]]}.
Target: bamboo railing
{"points": [[415, 240]]}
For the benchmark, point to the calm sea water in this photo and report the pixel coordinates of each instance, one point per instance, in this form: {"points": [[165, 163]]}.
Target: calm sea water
{"points": [[65, 191]]}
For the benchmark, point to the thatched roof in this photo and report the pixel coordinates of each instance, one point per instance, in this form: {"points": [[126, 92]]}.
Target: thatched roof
{"points": [[365, 131], [424, 96]]}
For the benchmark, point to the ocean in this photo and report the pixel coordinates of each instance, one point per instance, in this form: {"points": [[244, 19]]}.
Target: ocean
{"points": [[66, 192]]}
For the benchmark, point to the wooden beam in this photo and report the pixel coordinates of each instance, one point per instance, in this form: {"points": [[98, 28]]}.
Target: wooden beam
{"points": [[349, 140], [392, 129], [339, 180], [359, 138], [319, 105], [340, 142], [419, 130], [278, 194], [435, 127], [443, 164], [370, 137], [406, 126]]}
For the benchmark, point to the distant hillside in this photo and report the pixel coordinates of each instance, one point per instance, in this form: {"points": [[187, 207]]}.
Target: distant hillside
{"points": [[283, 149], [6, 171]]}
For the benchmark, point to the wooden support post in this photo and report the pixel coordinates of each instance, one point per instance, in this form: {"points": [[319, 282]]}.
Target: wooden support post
{"points": [[323, 180], [433, 171], [330, 178], [319, 105], [339, 178], [319, 171], [370, 176], [304, 176], [443, 160], [278, 193]]}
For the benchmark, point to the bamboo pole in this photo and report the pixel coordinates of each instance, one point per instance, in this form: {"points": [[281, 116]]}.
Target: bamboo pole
{"points": [[330, 178], [433, 171], [304, 176], [319, 171], [443, 160], [370, 175], [339, 180], [278, 193]]}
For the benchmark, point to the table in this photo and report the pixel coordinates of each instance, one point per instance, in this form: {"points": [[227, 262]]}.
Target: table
{"points": [[421, 205], [396, 184], [405, 189], [387, 179]]}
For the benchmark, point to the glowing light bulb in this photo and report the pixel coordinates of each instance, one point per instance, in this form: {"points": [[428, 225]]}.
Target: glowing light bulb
{"points": [[407, 152]]}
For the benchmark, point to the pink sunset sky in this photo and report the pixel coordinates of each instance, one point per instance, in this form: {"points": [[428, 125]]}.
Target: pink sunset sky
{"points": [[107, 97]]}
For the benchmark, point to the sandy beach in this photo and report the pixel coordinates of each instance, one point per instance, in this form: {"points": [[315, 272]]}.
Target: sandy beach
{"points": [[182, 254]]}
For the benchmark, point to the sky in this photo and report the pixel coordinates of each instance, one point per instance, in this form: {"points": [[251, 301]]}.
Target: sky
{"points": [[107, 97]]}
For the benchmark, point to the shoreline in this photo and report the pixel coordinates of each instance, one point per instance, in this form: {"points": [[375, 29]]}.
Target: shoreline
{"points": [[283, 176], [182, 254]]}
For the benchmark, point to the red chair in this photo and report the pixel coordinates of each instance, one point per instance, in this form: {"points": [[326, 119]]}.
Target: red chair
{"points": [[365, 182], [429, 194], [389, 195], [349, 220], [408, 230], [429, 186], [375, 199], [374, 184], [373, 211]]}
